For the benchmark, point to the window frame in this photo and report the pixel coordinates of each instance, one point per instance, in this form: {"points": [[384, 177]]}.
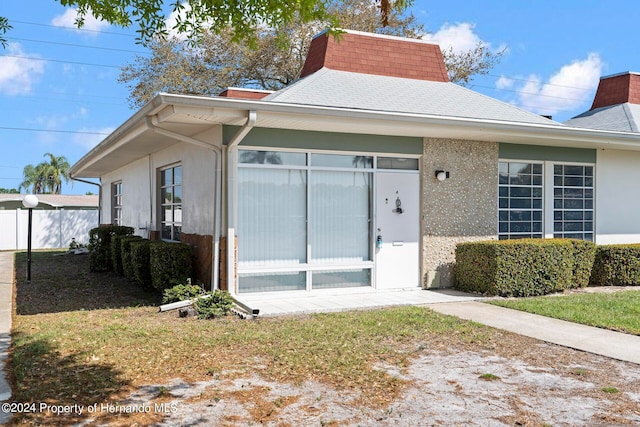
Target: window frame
{"points": [[548, 199], [520, 234], [367, 163], [175, 227], [592, 188], [116, 203]]}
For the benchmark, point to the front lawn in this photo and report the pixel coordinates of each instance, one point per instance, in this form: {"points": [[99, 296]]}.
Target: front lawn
{"points": [[618, 311], [82, 338]]}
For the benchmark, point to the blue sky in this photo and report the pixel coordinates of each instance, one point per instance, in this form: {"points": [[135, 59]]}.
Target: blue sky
{"points": [[59, 91]]}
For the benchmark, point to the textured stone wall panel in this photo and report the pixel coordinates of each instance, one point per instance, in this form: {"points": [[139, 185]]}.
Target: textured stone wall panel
{"points": [[463, 208]]}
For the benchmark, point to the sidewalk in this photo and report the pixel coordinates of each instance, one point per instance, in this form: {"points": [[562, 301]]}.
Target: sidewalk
{"points": [[6, 301], [607, 343]]}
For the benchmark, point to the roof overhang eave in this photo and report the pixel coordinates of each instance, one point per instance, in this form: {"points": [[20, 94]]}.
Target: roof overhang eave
{"points": [[211, 111]]}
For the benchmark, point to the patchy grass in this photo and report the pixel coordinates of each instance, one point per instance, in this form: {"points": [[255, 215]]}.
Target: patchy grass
{"points": [[618, 311], [489, 377], [85, 338]]}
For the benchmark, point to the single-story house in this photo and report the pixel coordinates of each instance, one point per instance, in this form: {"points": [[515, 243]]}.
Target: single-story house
{"points": [[55, 222], [365, 173]]}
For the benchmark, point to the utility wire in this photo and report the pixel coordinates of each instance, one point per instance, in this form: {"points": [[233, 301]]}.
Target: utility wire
{"points": [[61, 61], [78, 45], [528, 93], [73, 28], [53, 130], [535, 81]]}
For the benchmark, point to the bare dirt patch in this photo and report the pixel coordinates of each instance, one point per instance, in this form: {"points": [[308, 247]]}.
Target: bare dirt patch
{"points": [[83, 338], [530, 383]]}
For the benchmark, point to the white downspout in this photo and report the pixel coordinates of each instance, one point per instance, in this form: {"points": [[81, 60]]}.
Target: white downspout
{"points": [[232, 196], [217, 151]]}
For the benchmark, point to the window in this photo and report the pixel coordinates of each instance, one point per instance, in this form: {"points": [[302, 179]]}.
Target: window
{"points": [[171, 203], [573, 201], [116, 203], [530, 192], [304, 221], [520, 196]]}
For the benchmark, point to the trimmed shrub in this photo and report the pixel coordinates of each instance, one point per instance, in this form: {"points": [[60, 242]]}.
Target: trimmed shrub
{"points": [[215, 304], [515, 268], [181, 293], [170, 264], [100, 258], [140, 262], [616, 265], [125, 254], [584, 254], [116, 256]]}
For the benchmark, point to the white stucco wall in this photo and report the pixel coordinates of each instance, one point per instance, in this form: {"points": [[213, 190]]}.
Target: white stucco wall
{"points": [[617, 197], [139, 188]]}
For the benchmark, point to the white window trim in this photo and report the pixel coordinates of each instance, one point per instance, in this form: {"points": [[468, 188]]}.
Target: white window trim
{"points": [[548, 193], [116, 219], [309, 267], [548, 225], [159, 196]]}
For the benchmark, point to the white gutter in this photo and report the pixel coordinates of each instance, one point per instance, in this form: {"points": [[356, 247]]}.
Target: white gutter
{"points": [[499, 127], [99, 185], [153, 123], [232, 196]]}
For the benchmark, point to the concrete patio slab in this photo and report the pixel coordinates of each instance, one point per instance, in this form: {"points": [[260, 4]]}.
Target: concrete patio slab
{"points": [[281, 303]]}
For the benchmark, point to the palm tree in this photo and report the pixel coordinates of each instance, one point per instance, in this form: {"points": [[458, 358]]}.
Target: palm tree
{"points": [[46, 177], [57, 170]]}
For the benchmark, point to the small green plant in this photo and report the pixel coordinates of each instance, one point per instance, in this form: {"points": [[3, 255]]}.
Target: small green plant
{"points": [[580, 372], [214, 304], [75, 244], [181, 293], [489, 377], [163, 392], [610, 390]]}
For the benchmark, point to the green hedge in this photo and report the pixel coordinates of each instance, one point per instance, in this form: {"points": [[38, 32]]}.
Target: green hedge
{"points": [[140, 265], [125, 254], [616, 265], [584, 254], [116, 255], [171, 264], [519, 268], [100, 258]]}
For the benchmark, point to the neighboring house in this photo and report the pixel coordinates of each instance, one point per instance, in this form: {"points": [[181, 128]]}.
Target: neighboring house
{"points": [[56, 220], [364, 173]]}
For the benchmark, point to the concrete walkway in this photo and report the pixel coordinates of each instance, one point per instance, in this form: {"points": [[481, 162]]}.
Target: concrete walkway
{"points": [[283, 303], [611, 344], [6, 303]]}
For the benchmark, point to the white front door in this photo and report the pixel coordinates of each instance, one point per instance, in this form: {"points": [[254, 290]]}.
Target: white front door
{"points": [[397, 230]]}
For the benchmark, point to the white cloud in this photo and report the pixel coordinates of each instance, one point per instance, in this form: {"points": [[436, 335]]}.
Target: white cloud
{"points": [[88, 141], [459, 37], [504, 83], [69, 17], [567, 89], [17, 75], [172, 21]]}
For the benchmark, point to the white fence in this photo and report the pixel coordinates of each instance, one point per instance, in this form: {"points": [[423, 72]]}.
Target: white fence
{"points": [[50, 228]]}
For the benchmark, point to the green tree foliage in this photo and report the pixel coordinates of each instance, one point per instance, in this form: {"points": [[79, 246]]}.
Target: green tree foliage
{"points": [[272, 58], [4, 27], [8, 191], [197, 16], [46, 177]]}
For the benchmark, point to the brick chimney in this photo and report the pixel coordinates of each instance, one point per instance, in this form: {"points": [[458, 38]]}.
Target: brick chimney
{"points": [[377, 54], [617, 89], [240, 93]]}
